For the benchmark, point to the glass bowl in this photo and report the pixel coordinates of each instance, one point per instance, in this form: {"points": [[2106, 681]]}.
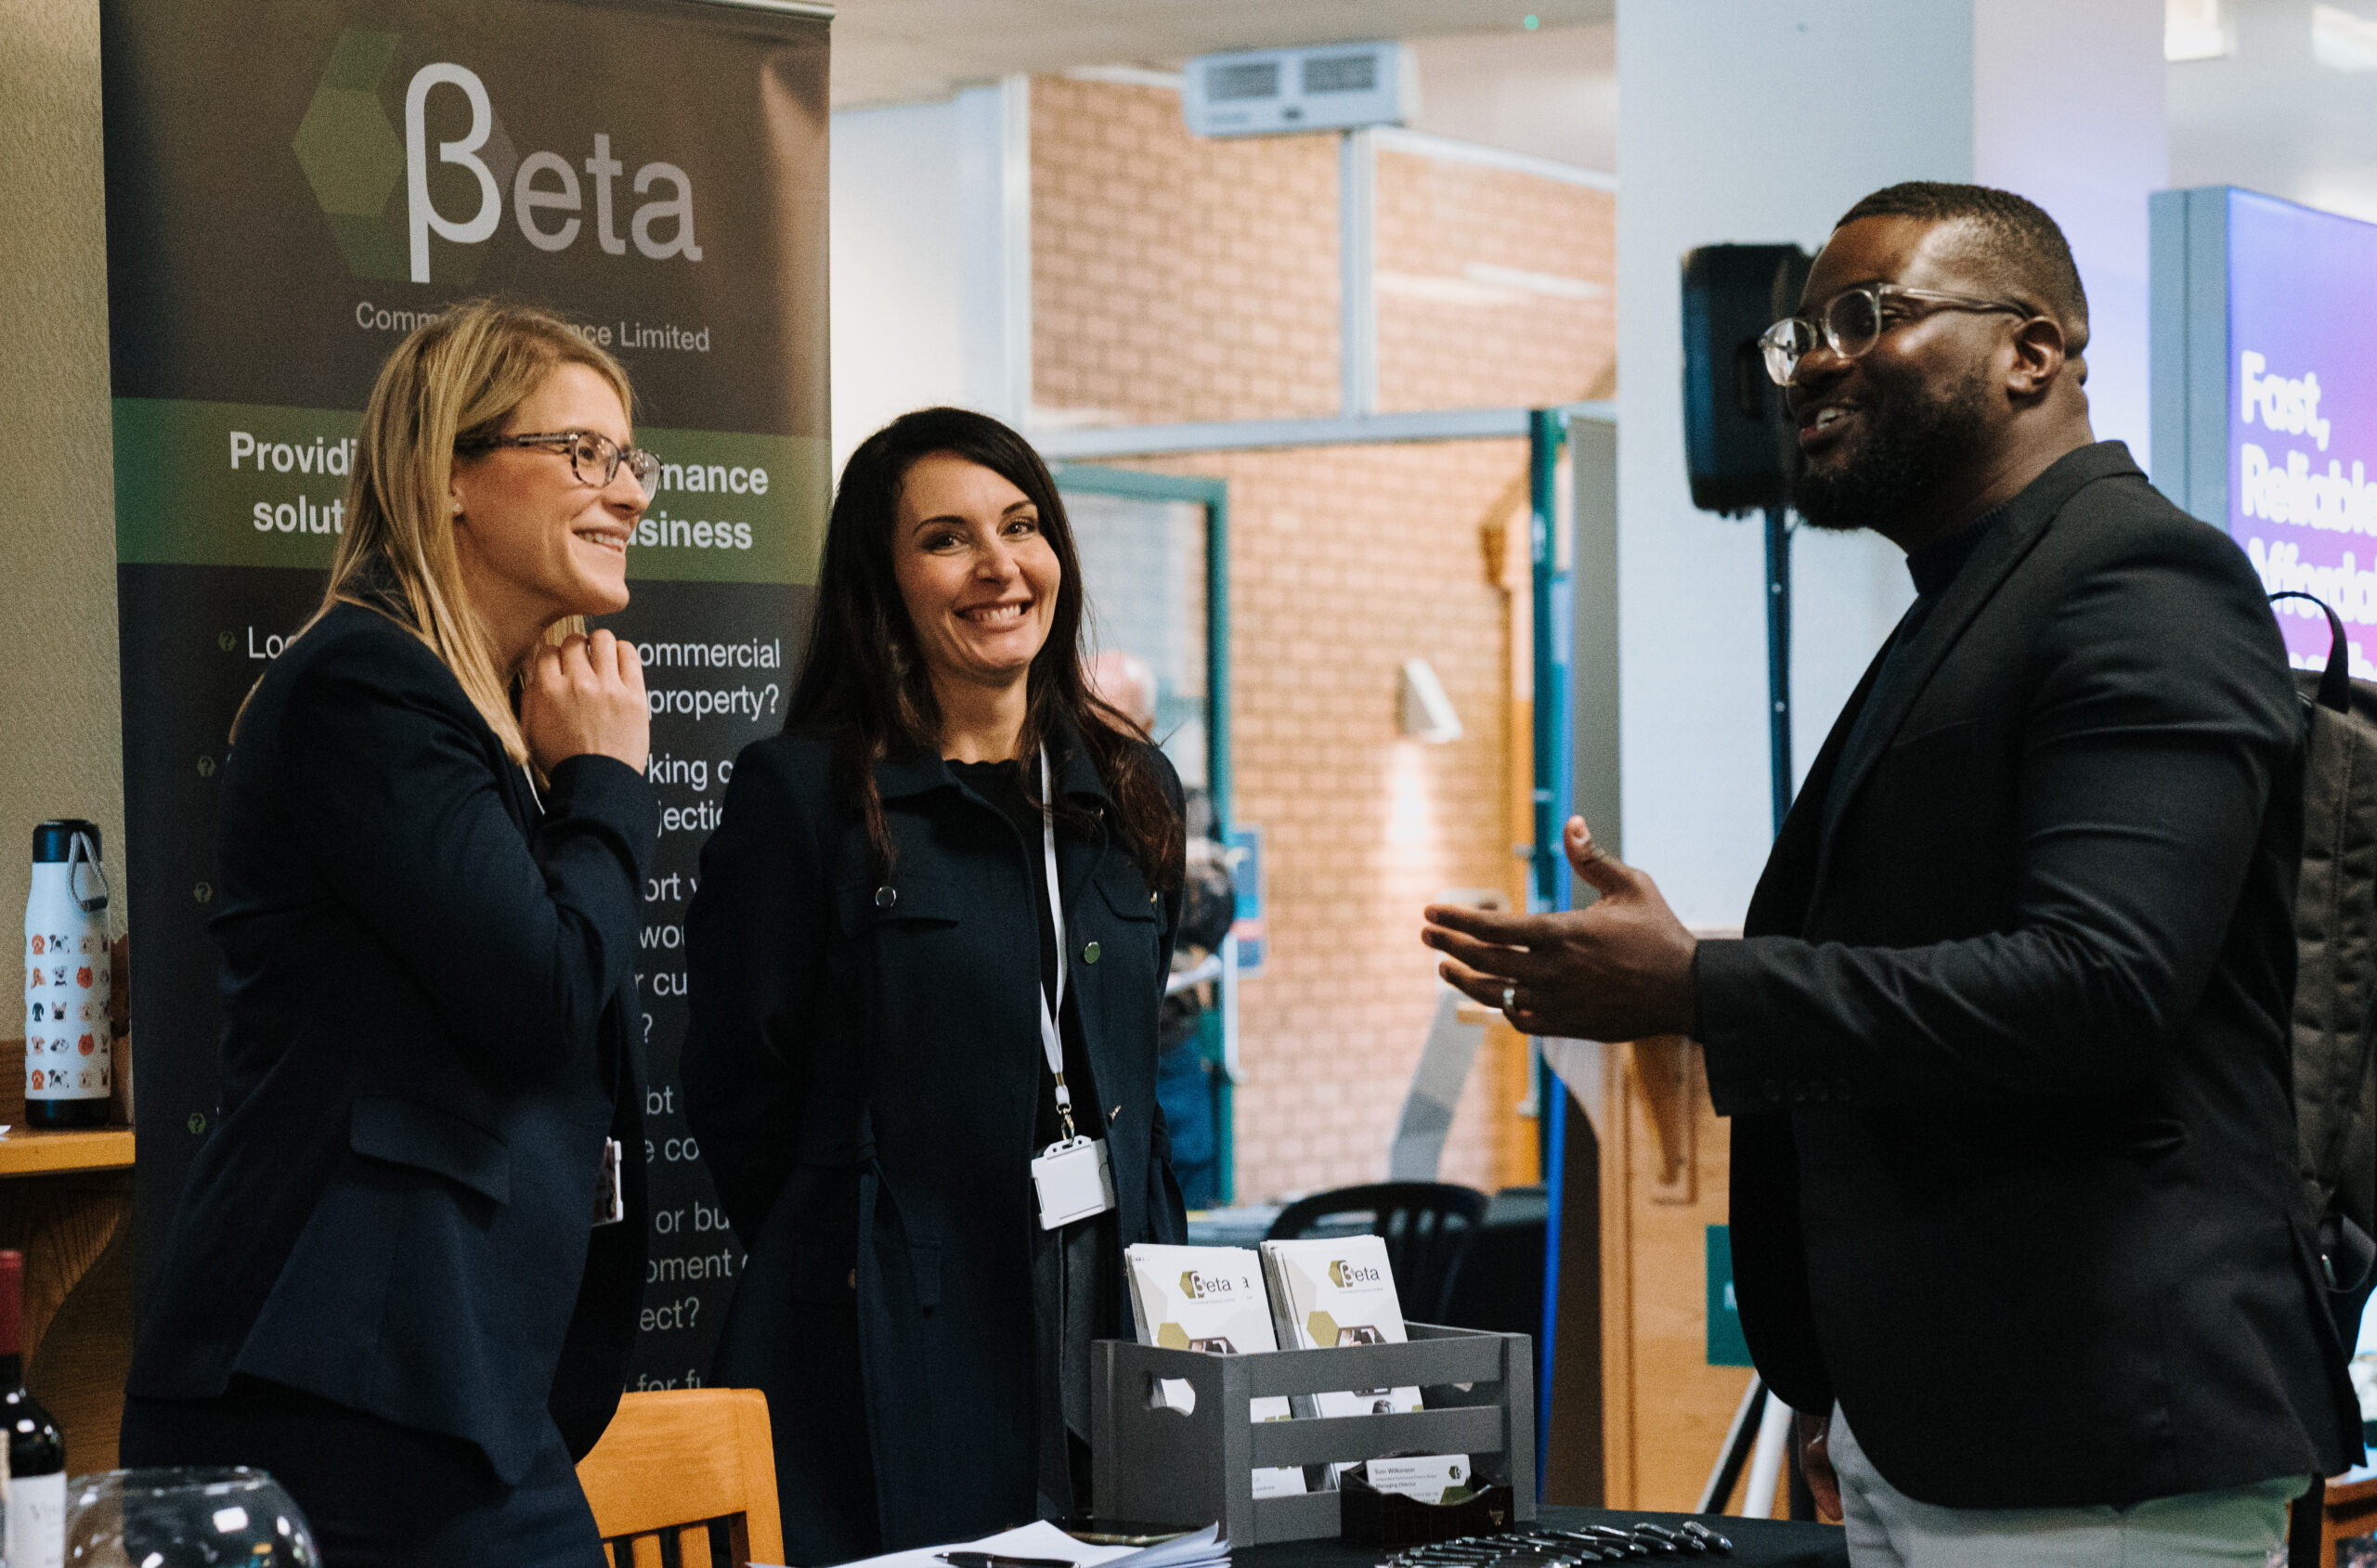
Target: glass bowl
{"points": [[185, 1519]]}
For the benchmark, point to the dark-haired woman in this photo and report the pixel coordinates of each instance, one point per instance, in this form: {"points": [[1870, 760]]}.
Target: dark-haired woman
{"points": [[954, 865]]}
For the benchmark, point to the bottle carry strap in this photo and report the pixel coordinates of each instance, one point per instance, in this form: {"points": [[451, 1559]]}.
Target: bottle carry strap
{"points": [[86, 855]]}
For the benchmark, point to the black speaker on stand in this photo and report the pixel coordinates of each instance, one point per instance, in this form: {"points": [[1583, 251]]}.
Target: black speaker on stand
{"points": [[1738, 440], [1743, 452]]}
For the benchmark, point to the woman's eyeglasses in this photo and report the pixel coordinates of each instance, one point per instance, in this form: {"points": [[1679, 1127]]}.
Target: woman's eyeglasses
{"points": [[594, 457]]}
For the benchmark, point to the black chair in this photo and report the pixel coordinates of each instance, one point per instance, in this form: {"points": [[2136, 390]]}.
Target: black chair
{"points": [[1427, 1226], [1499, 1286]]}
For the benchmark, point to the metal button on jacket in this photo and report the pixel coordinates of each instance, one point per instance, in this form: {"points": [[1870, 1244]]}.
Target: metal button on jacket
{"points": [[886, 896], [1090, 952]]}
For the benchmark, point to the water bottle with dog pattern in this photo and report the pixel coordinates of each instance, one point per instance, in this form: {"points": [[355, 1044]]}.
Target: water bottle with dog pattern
{"points": [[69, 983]]}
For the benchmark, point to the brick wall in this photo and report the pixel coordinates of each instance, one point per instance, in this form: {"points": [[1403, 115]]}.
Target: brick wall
{"points": [[1495, 287], [1175, 278], [1179, 280], [1346, 562]]}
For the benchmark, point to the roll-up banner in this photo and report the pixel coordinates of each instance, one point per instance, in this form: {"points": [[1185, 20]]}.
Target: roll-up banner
{"points": [[294, 185]]}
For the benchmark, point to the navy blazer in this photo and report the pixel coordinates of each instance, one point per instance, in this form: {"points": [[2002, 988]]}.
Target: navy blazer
{"points": [[863, 1068], [427, 979], [2006, 1047]]}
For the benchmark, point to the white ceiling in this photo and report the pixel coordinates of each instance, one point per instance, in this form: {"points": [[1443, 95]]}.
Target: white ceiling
{"points": [[907, 51]]}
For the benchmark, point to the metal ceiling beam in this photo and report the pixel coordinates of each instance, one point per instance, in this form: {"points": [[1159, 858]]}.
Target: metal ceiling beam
{"points": [[1095, 444]]}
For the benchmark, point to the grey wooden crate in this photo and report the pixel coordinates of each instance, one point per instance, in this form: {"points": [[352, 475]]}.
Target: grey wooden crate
{"points": [[1177, 1467]]}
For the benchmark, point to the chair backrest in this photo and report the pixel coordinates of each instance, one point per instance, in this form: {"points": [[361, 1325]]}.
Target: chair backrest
{"points": [[1427, 1227], [695, 1464], [1500, 1284]]}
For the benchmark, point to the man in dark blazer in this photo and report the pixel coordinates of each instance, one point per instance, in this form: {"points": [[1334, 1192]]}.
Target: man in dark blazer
{"points": [[2016, 1222]]}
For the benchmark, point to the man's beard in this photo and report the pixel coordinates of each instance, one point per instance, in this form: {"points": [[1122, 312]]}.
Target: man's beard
{"points": [[1909, 442]]}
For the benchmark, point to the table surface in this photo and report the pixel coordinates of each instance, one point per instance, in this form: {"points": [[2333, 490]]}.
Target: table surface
{"points": [[27, 1152], [1758, 1543]]}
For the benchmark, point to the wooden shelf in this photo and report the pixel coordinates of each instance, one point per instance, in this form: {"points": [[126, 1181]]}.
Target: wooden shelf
{"points": [[25, 1152]]}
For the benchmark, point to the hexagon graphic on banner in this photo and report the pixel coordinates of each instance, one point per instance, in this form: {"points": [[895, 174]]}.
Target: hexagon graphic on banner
{"points": [[354, 158]]}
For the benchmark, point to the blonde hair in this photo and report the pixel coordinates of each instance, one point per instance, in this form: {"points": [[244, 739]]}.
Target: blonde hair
{"points": [[454, 377]]}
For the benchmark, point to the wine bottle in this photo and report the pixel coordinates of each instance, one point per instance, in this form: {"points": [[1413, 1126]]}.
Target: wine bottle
{"points": [[37, 1522]]}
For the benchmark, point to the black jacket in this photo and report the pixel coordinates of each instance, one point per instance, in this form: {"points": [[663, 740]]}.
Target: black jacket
{"points": [[2006, 1050], [863, 1070], [427, 984]]}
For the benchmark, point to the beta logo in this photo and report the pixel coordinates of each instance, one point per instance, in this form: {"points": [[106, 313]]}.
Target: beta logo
{"points": [[1347, 1276], [1196, 1287], [387, 195]]}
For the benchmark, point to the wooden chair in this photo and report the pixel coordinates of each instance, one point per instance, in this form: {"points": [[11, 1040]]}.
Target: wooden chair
{"points": [[686, 1478]]}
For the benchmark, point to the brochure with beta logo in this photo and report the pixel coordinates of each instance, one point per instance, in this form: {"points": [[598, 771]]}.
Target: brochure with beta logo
{"points": [[1338, 1290], [1209, 1299]]}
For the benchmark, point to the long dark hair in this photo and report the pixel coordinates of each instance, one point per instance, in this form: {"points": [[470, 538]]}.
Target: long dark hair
{"points": [[864, 685]]}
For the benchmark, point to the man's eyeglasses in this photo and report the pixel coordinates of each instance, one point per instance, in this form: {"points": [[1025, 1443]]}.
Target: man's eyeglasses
{"points": [[594, 457], [1854, 320]]}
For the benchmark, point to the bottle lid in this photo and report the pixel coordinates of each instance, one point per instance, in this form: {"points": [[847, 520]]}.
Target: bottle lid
{"points": [[54, 840], [12, 1302]]}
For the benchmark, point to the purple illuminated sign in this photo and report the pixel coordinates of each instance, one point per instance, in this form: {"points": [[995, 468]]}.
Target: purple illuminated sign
{"points": [[2302, 424]]}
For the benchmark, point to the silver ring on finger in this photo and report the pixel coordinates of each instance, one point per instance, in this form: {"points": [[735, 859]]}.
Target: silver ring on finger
{"points": [[1510, 997]]}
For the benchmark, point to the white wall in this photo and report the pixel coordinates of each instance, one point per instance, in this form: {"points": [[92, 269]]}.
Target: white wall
{"points": [[2270, 117], [928, 223], [897, 336], [1765, 122], [58, 706], [1746, 124], [2028, 123]]}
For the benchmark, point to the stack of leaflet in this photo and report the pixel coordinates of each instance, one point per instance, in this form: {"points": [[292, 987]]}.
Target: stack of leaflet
{"points": [[1041, 1543], [1203, 1549], [1208, 1298], [1339, 1290]]}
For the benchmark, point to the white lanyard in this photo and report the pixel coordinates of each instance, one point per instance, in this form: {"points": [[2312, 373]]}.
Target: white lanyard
{"points": [[1051, 1041]]}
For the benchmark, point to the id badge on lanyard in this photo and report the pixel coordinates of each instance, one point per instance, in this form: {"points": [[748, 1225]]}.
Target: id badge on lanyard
{"points": [[1073, 1176], [610, 1198]]}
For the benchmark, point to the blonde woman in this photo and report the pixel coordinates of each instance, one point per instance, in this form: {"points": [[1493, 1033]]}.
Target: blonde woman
{"points": [[390, 1282]]}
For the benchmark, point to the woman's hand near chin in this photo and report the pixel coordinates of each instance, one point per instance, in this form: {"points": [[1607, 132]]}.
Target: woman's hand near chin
{"points": [[585, 695]]}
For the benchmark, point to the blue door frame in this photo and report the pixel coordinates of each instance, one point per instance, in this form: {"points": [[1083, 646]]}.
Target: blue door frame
{"points": [[1552, 593], [1214, 496]]}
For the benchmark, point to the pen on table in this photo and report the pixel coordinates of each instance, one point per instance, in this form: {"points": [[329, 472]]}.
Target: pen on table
{"points": [[992, 1560]]}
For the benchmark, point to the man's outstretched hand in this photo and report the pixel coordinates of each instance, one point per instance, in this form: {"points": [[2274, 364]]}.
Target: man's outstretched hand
{"points": [[1618, 970]]}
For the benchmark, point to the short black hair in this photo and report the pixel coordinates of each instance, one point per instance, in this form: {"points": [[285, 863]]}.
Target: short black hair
{"points": [[2012, 233]]}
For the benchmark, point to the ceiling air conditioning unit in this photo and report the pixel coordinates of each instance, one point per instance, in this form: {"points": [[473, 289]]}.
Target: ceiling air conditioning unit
{"points": [[1327, 88]]}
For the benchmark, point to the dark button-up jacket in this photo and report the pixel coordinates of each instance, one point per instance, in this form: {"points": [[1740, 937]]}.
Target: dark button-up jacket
{"points": [[2005, 1044], [863, 1070], [427, 981]]}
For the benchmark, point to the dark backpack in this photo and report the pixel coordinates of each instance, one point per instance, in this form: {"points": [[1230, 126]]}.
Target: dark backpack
{"points": [[2335, 988]]}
